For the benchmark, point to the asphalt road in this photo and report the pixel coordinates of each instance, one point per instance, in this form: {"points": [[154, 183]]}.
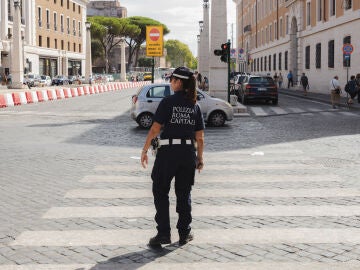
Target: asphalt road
{"points": [[279, 190]]}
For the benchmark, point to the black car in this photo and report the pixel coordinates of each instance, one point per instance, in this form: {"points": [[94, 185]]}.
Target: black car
{"points": [[258, 88], [60, 80]]}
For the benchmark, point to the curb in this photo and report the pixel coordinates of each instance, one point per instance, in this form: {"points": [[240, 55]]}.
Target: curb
{"points": [[319, 99], [41, 95]]}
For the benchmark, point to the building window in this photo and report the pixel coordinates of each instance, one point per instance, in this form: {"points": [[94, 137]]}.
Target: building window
{"points": [[261, 64], [79, 28], [68, 25], [332, 7], [319, 10], [48, 19], [40, 41], [286, 60], [274, 61], [55, 21], [79, 48], [39, 16], [347, 4], [347, 58], [62, 44], [48, 42], [62, 23], [276, 31], [258, 64], [280, 61], [269, 62], [74, 5], [79, 9], [68, 47], [318, 55], [287, 24], [307, 57], [281, 27], [68, 4], [55, 43], [265, 62], [62, 2], [308, 13], [74, 47], [331, 53]]}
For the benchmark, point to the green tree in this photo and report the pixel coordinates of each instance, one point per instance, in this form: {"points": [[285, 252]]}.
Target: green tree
{"points": [[179, 54], [136, 41], [109, 31], [145, 62]]}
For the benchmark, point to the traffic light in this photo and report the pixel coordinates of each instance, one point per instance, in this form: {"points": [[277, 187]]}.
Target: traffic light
{"points": [[224, 53]]}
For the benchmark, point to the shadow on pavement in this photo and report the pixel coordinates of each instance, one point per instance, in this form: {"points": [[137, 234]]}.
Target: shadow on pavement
{"points": [[135, 260]]}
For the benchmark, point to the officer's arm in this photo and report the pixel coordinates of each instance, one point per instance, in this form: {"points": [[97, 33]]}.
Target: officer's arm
{"points": [[153, 132], [199, 137]]}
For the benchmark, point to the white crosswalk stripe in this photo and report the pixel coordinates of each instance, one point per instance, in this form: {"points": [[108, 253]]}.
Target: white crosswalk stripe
{"points": [[258, 165], [277, 110]]}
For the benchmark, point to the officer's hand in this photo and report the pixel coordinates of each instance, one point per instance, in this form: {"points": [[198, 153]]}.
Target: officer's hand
{"points": [[144, 159], [199, 164]]}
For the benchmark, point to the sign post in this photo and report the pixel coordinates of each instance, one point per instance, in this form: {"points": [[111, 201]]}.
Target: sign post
{"points": [[347, 51], [154, 44]]}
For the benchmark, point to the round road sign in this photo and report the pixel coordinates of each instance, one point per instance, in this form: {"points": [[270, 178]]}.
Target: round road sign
{"points": [[154, 34], [348, 48]]}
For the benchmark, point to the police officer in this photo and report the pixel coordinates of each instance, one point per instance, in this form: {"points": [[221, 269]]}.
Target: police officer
{"points": [[179, 155]]}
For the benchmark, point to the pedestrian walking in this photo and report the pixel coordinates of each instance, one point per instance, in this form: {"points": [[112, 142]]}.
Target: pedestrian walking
{"points": [[276, 78], [290, 79], [280, 80], [357, 80], [335, 91], [351, 89], [304, 81], [179, 154]]}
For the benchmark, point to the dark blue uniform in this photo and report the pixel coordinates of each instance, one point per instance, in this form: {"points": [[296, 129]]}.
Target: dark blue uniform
{"points": [[180, 119]]}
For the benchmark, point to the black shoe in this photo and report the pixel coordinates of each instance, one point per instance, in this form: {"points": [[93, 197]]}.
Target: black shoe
{"points": [[184, 239], [159, 240]]}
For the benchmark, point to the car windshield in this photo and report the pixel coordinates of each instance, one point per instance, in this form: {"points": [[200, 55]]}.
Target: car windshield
{"points": [[261, 80], [43, 77]]}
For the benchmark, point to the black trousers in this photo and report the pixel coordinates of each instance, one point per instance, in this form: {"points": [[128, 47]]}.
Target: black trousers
{"points": [[173, 161]]}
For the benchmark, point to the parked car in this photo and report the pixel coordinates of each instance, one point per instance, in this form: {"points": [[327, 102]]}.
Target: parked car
{"points": [[32, 79], [144, 104], [147, 76], [238, 79], [45, 80], [60, 80], [258, 88]]}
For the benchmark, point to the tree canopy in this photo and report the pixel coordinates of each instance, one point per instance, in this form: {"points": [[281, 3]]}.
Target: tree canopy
{"points": [[179, 54]]}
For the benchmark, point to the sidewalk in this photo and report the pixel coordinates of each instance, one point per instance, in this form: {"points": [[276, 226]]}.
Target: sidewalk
{"points": [[297, 92]]}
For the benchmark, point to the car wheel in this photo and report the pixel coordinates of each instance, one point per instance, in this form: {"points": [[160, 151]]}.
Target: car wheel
{"points": [[243, 100], [145, 120], [217, 119], [275, 101]]}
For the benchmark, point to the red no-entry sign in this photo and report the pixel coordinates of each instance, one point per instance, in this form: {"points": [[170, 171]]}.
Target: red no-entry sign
{"points": [[154, 34], [348, 48]]}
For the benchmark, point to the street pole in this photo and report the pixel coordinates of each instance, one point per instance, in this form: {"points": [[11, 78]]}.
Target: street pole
{"points": [[228, 73], [152, 69]]}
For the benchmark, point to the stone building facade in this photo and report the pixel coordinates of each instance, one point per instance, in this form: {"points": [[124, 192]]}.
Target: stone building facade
{"points": [[301, 36], [53, 36]]}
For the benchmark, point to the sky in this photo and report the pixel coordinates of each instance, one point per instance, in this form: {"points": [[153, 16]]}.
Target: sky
{"points": [[180, 16]]}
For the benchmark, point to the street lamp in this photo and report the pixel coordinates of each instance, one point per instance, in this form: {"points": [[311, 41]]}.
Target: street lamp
{"points": [[201, 24]]}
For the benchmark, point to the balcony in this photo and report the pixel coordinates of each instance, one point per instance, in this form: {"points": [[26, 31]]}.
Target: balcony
{"points": [[247, 28]]}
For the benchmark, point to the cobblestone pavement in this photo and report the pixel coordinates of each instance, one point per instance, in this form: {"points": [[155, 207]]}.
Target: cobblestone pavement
{"points": [[276, 193]]}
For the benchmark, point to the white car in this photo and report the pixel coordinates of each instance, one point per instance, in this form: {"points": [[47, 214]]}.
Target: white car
{"points": [[45, 80], [144, 104]]}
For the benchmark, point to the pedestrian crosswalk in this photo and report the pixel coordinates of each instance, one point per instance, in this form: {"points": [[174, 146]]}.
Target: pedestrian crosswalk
{"points": [[270, 207], [263, 111]]}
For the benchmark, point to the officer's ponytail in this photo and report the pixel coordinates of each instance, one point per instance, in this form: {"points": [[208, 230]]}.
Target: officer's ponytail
{"points": [[190, 89]]}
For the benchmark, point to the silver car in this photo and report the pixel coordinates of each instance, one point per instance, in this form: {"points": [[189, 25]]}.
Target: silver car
{"points": [[144, 104]]}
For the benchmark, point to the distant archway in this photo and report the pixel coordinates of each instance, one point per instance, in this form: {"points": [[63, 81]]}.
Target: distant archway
{"points": [[294, 49]]}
